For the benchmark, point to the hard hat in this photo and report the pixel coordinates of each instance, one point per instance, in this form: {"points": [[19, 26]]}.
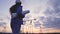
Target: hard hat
{"points": [[18, 1]]}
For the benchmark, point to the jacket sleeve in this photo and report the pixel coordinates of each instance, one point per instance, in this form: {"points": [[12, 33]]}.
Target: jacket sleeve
{"points": [[19, 12]]}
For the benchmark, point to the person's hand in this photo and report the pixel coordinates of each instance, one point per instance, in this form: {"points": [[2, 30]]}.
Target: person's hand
{"points": [[25, 12]]}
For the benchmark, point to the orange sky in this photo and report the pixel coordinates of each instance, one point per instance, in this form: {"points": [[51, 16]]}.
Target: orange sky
{"points": [[31, 29], [37, 9]]}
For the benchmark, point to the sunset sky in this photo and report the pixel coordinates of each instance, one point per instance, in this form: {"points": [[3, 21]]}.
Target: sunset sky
{"points": [[46, 13]]}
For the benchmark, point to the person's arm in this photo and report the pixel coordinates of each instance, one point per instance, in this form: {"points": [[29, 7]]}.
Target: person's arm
{"points": [[25, 12], [19, 12], [12, 11]]}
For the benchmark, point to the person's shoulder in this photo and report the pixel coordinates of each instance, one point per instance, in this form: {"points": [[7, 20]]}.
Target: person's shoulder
{"points": [[12, 6]]}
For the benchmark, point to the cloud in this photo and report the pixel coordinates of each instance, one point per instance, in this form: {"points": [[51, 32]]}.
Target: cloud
{"points": [[47, 11], [37, 24], [53, 7], [2, 24], [52, 22], [52, 13]]}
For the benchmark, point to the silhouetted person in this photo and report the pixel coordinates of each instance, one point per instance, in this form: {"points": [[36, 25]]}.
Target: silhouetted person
{"points": [[16, 17]]}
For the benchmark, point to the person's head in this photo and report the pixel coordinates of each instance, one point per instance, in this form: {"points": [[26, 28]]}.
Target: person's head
{"points": [[18, 2]]}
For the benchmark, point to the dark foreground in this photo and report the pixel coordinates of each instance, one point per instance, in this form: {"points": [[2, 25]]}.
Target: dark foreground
{"points": [[32, 33]]}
